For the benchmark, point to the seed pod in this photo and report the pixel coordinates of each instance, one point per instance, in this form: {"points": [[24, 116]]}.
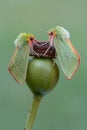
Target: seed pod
{"points": [[42, 75]]}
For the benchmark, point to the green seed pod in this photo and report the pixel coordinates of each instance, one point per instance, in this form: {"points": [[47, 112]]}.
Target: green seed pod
{"points": [[42, 75]]}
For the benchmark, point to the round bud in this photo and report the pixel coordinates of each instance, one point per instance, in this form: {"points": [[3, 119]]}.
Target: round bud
{"points": [[42, 75]]}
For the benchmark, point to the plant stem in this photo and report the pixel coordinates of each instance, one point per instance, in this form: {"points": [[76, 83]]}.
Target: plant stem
{"points": [[32, 112]]}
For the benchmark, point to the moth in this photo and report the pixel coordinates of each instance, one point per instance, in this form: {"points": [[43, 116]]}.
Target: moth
{"points": [[19, 61], [67, 55]]}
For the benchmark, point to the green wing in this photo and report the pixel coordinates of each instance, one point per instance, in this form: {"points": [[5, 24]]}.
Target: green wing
{"points": [[19, 62], [68, 56]]}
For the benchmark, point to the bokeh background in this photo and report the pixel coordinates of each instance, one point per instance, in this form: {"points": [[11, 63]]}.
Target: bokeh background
{"points": [[65, 108]]}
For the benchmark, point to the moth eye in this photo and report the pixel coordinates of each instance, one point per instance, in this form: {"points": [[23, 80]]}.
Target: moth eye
{"points": [[50, 33], [31, 38]]}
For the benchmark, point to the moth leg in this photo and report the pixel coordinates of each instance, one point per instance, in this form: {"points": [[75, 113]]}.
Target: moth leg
{"points": [[35, 53], [50, 41], [45, 43], [31, 42], [47, 50]]}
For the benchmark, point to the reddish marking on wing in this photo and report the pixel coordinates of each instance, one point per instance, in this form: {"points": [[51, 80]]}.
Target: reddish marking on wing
{"points": [[10, 71], [14, 77], [77, 55], [11, 61]]}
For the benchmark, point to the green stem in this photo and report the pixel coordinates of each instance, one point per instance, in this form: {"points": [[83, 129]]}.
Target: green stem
{"points": [[32, 112]]}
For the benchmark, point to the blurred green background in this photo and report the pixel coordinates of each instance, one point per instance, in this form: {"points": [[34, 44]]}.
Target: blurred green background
{"points": [[65, 108]]}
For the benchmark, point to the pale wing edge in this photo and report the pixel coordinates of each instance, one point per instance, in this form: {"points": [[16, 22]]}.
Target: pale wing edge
{"points": [[78, 58], [75, 53], [9, 69]]}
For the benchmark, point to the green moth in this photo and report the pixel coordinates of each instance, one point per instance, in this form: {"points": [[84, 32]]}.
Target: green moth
{"points": [[67, 55], [19, 61]]}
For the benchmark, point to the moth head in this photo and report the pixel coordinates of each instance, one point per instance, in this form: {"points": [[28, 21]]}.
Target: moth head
{"points": [[52, 32], [23, 39], [30, 37], [59, 31]]}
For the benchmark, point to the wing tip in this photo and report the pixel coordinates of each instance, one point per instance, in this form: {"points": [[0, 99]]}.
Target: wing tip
{"points": [[72, 75], [14, 77]]}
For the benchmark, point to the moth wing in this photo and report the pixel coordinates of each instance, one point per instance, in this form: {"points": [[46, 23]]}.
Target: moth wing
{"points": [[19, 62], [68, 56]]}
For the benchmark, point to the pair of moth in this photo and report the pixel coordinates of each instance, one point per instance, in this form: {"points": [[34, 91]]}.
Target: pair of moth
{"points": [[59, 40]]}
